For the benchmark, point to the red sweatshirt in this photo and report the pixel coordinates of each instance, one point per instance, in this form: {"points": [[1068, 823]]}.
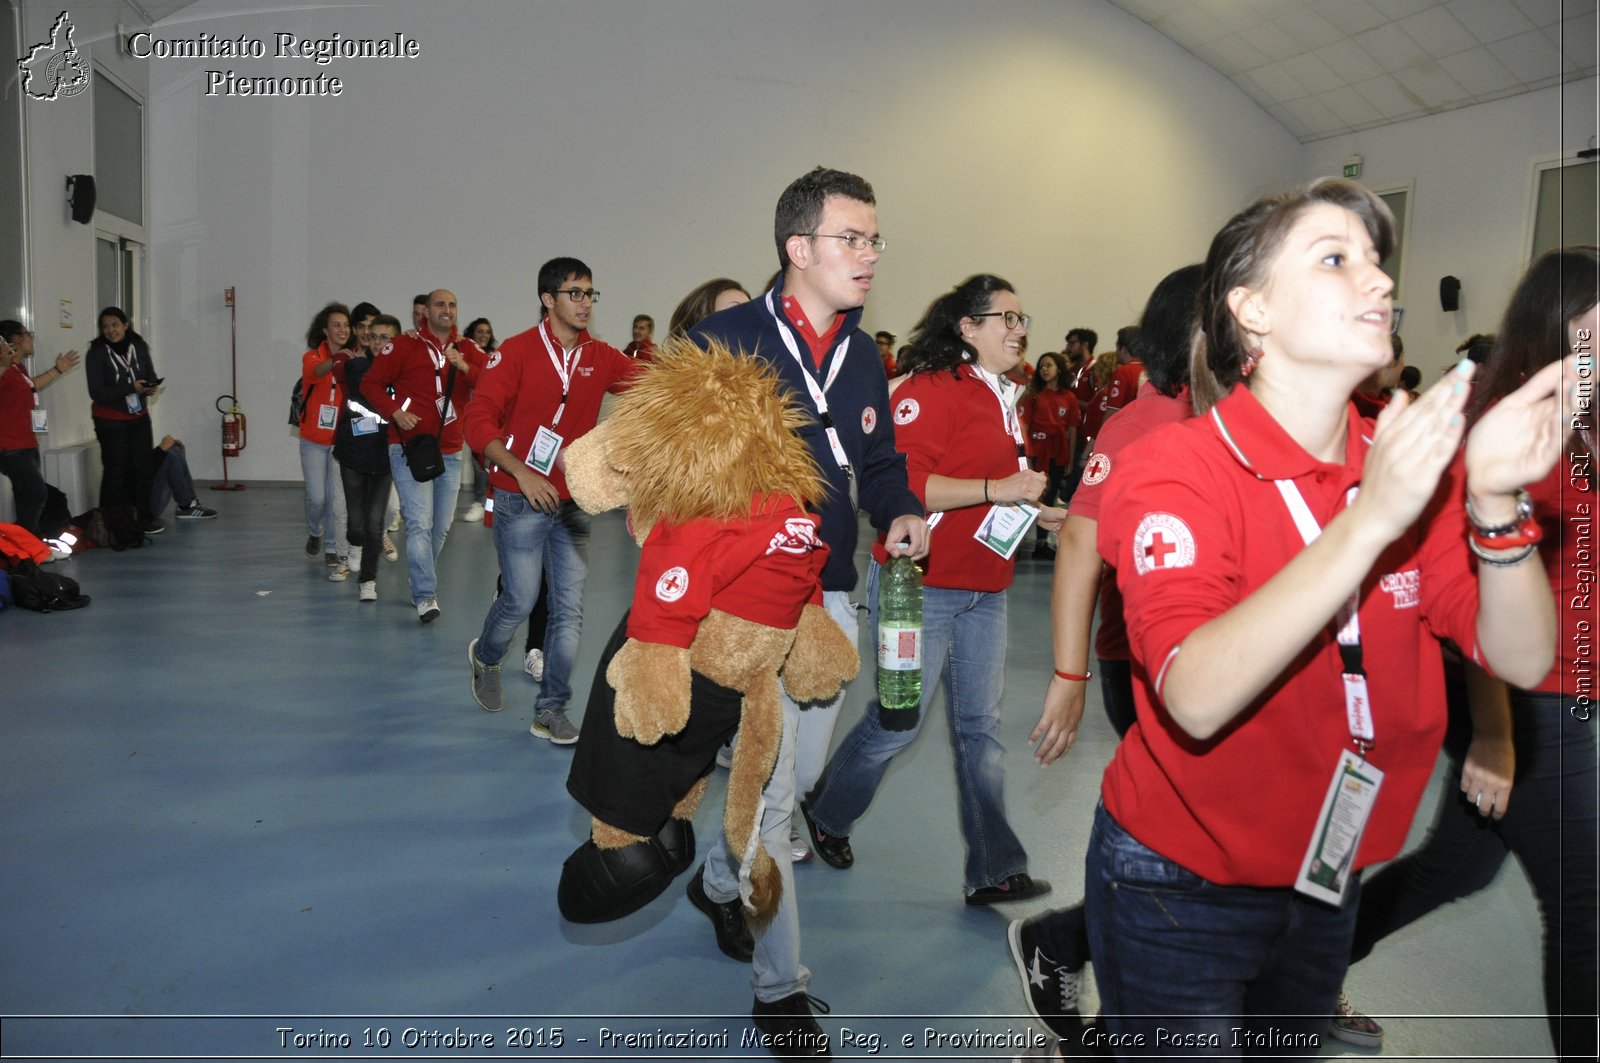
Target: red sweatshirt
{"points": [[522, 392], [417, 369]]}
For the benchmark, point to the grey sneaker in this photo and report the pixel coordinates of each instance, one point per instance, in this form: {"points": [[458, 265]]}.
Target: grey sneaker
{"points": [[428, 610], [554, 725], [485, 680]]}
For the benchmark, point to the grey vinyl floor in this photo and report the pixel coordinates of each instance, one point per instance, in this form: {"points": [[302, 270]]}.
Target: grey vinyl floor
{"points": [[236, 801]]}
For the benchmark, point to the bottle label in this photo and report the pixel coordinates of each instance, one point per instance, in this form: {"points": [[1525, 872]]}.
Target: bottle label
{"points": [[899, 648]]}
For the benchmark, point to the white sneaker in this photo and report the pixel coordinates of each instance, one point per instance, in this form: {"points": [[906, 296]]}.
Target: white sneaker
{"points": [[355, 559], [369, 590], [428, 610], [474, 513], [533, 664], [390, 551], [340, 572], [394, 525]]}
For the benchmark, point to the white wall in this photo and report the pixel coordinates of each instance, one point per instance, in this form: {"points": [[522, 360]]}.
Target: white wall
{"points": [[59, 140], [1064, 145], [1471, 208]]}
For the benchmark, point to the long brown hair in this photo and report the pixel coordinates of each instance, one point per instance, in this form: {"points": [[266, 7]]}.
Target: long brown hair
{"points": [[1561, 285]]}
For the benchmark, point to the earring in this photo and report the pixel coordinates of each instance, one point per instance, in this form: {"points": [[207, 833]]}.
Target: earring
{"points": [[1252, 355]]}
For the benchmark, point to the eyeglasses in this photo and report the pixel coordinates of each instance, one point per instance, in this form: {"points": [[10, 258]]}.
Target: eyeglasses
{"points": [[1011, 317], [579, 295], [856, 241]]}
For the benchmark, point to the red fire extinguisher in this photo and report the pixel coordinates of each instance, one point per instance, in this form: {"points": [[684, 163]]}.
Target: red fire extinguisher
{"points": [[233, 427]]}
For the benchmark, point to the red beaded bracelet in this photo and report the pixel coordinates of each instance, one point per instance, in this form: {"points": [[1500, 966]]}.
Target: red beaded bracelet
{"points": [[1525, 532], [1071, 678]]}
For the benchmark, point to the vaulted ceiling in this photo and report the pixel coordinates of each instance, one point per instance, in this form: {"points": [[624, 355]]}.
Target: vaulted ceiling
{"points": [[1326, 67]]}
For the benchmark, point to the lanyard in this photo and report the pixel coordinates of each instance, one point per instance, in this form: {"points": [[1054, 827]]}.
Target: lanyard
{"points": [[819, 393], [127, 363], [1357, 705], [564, 363], [1005, 394]]}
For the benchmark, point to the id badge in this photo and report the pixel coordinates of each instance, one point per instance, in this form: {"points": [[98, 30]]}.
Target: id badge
{"points": [[135, 402], [364, 426], [1004, 528], [327, 417], [542, 456], [41, 419], [447, 410], [1325, 870]]}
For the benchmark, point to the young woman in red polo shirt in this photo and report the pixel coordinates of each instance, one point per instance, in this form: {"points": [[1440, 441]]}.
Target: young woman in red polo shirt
{"points": [[1050, 417], [328, 336], [1283, 738], [956, 424]]}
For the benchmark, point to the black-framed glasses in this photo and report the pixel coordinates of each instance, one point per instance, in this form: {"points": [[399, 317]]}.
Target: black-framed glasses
{"points": [[1011, 317], [856, 241], [579, 295]]}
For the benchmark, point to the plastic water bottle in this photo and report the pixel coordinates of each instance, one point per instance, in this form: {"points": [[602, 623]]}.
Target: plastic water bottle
{"points": [[899, 644]]}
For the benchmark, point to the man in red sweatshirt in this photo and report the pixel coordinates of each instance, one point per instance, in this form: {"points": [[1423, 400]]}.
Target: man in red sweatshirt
{"points": [[420, 385], [542, 390]]}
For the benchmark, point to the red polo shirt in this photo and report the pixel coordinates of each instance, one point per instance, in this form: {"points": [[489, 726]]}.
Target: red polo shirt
{"points": [[1149, 411], [954, 426], [819, 343], [1050, 413], [1195, 523], [16, 402]]}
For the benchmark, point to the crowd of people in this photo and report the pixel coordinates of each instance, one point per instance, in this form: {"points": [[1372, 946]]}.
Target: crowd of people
{"points": [[1303, 562]]}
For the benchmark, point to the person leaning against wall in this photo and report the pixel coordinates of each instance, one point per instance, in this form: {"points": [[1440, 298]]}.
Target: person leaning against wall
{"points": [[122, 383]]}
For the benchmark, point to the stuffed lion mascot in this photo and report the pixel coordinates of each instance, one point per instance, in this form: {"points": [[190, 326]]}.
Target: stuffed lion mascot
{"points": [[703, 452]]}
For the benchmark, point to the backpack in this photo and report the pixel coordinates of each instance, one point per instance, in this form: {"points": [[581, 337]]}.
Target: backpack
{"points": [[297, 404], [44, 592], [18, 544]]}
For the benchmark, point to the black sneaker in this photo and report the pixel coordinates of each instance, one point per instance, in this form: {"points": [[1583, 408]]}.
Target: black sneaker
{"points": [[834, 851], [195, 511], [788, 1029], [1018, 887], [313, 545], [727, 919], [154, 527], [1052, 985]]}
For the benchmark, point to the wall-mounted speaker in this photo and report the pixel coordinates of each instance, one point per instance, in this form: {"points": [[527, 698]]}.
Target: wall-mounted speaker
{"points": [[80, 197], [1449, 293]]}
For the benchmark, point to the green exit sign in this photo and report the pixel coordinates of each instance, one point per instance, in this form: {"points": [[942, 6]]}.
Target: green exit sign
{"points": [[1352, 167]]}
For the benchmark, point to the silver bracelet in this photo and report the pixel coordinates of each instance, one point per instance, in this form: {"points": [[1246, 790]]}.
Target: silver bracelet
{"points": [[1492, 559]]}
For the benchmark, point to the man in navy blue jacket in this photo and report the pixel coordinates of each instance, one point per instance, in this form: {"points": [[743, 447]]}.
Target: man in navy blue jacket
{"points": [[808, 327]]}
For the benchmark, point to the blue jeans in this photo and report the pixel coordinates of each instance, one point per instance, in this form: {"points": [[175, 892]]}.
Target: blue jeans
{"points": [[1551, 827], [1175, 955], [325, 513], [173, 481], [776, 970], [964, 649], [529, 544], [429, 510]]}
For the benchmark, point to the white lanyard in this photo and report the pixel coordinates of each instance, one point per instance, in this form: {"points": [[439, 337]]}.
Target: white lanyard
{"points": [[440, 399], [819, 394], [564, 363], [1008, 412], [127, 363], [1357, 704]]}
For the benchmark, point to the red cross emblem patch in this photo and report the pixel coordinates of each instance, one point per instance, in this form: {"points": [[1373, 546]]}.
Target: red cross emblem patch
{"points": [[673, 584], [906, 410], [1162, 541], [1097, 469]]}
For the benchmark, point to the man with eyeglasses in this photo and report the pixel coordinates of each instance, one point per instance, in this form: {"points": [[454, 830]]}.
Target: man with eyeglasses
{"points": [[420, 384], [808, 327], [542, 390]]}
